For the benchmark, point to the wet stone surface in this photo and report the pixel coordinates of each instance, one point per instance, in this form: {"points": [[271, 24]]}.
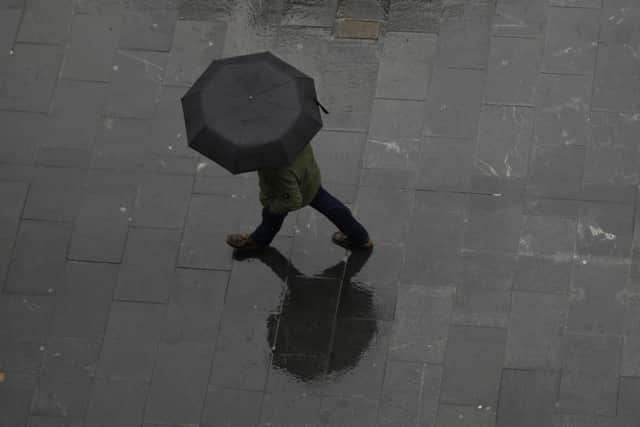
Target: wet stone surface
{"points": [[490, 148]]}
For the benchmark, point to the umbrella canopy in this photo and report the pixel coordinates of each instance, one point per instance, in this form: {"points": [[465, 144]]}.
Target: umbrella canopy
{"points": [[251, 112]]}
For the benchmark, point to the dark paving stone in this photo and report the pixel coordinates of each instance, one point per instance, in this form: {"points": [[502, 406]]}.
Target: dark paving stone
{"points": [[409, 394], [131, 341], [388, 178], [55, 194], [628, 401], [520, 18], [120, 144], [549, 228], [195, 45], [163, 201], [494, 222], [595, 4], [258, 284], [179, 383], [116, 186], [359, 300], [565, 420], [100, 230], [116, 403], [513, 70], [38, 263], [152, 30], [13, 195], [20, 136], [527, 398], [16, 173], [90, 53], [25, 325], [290, 409], [46, 22], [83, 310], [315, 14], [595, 304], [475, 307], [605, 230], [360, 9], [504, 143], [550, 274], [230, 407], [463, 40], [9, 20], [195, 306], [135, 84], [405, 65], [15, 396], [65, 381], [350, 105], [536, 325], [339, 155], [453, 104], [30, 79], [383, 213], [421, 325], [358, 358], [245, 334], [630, 365], [465, 416], [590, 375], [297, 373], [619, 18], [617, 79], [354, 411], [487, 271], [611, 158], [414, 15], [12, 4], [375, 270], [72, 123], [233, 186], [437, 218], [147, 271], [308, 312], [563, 110], [166, 147], [472, 365], [571, 40], [445, 164], [556, 171], [395, 134], [45, 421]]}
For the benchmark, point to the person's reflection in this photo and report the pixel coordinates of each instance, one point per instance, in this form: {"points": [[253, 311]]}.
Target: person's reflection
{"points": [[307, 321]]}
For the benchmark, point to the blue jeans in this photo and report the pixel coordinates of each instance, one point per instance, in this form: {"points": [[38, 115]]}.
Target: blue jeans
{"points": [[327, 205]]}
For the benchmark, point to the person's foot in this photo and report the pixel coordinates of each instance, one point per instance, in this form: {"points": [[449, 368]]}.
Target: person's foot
{"points": [[341, 240], [243, 241]]}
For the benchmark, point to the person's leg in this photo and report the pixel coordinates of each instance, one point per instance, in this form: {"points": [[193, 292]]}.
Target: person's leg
{"points": [[341, 216], [268, 228]]}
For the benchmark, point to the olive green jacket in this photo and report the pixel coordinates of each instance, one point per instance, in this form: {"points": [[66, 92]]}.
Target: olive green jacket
{"points": [[290, 187]]}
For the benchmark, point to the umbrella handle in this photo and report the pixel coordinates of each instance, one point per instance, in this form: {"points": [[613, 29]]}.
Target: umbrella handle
{"points": [[320, 105]]}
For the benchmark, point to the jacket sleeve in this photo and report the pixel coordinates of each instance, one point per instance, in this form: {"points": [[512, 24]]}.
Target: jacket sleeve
{"points": [[287, 195]]}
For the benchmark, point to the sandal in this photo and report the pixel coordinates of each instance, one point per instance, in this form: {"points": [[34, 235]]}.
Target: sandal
{"points": [[341, 240], [242, 241]]}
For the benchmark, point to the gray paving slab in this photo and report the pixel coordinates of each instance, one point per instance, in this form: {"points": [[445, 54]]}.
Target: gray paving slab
{"points": [[618, 17], [38, 262], [535, 331], [30, 77], [512, 70], [148, 265], [360, 412], [20, 130], [46, 22], [290, 409], [10, 20], [414, 15], [445, 164], [384, 212], [549, 228], [13, 195], [556, 170], [152, 30], [472, 365], [494, 222], [55, 194], [523, 18], [16, 393], [162, 201], [605, 230], [527, 398], [116, 403], [487, 270], [465, 416], [120, 144], [405, 65], [232, 407], [481, 307], [616, 85], [318, 14], [342, 153], [567, 420]]}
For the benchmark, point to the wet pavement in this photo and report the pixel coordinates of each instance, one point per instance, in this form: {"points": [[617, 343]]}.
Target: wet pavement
{"points": [[491, 148]]}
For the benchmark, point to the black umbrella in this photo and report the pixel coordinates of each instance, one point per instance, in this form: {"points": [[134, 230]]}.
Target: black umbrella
{"points": [[251, 112]]}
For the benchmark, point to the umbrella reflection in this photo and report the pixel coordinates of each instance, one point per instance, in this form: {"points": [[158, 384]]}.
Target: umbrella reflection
{"points": [[305, 325]]}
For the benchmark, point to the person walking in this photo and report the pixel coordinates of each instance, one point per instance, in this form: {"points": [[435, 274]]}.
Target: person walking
{"points": [[289, 188]]}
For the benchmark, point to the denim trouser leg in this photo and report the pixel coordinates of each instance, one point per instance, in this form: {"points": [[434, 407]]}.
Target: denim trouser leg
{"points": [[267, 230], [340, 216]]}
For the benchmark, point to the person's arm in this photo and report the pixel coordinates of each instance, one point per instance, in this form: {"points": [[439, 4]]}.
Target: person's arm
{"points": [[288, 196]]}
